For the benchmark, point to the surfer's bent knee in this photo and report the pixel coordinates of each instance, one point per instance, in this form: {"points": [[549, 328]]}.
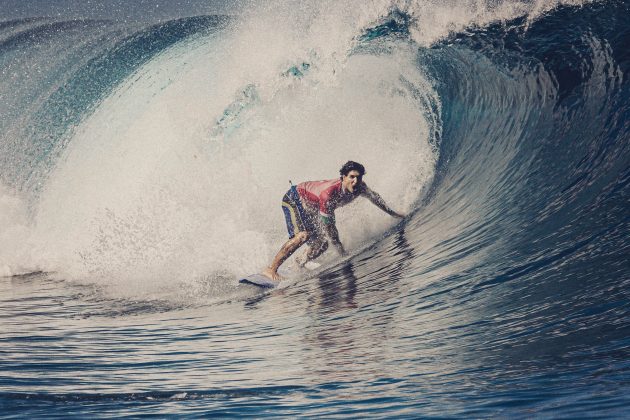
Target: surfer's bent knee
{"points": [[302, 236]]}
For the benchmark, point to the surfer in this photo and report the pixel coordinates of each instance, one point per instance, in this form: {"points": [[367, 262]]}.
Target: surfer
{"points": [[309, 211]]}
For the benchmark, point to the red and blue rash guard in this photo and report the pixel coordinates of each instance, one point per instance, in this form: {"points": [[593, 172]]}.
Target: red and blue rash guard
{"points": [[325, 196]]}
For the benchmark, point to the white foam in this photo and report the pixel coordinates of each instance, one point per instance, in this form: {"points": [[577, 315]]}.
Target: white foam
{"points": [[17, 251], [433, 20]]}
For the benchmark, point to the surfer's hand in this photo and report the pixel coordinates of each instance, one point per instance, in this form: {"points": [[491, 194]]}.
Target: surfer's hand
{"points": [[342, 251]]}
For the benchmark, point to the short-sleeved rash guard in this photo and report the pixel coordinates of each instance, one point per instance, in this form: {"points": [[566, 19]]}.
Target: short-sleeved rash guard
{"points": [[325, 196]]}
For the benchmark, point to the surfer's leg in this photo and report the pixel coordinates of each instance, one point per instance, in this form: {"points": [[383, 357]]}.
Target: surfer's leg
{"points": [[317, 248], [285, 252], [296, 229]]}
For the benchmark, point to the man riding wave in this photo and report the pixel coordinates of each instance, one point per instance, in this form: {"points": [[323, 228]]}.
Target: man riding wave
{"points": [[309, 212]]}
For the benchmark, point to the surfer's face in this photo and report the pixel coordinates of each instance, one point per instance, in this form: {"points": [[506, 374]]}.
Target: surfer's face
{"points": [[351, 181]]}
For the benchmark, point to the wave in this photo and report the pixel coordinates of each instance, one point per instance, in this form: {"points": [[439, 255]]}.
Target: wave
{"points": [[501, 135]]}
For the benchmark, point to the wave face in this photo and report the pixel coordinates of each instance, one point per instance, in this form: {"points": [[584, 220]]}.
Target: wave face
{"points": [[141, 168]]}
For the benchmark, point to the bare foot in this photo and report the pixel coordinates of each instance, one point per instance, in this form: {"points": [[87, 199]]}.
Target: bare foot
{"points": [[271, 274], [300, 260]]}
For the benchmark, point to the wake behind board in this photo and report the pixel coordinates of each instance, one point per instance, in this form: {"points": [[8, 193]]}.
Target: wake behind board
{"points": [[259, 280]]}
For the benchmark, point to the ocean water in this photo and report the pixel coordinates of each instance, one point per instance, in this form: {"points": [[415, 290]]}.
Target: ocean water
{"points": [[143, 157]]}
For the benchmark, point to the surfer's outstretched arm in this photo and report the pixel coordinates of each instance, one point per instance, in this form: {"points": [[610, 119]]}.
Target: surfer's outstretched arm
{"points": [[378, 201]]}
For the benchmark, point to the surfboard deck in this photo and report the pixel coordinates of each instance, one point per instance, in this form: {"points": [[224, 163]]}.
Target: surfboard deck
{"points": [[259, 280], [263, 281]]}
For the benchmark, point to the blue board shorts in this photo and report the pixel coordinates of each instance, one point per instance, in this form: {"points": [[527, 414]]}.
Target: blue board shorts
{"points": [[296, 218]]}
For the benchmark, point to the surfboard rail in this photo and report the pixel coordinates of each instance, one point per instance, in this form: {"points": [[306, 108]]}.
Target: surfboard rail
{"points": [[259, 280]]}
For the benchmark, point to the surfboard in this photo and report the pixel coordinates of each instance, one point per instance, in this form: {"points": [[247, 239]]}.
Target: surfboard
{"points": [[259, 280]]}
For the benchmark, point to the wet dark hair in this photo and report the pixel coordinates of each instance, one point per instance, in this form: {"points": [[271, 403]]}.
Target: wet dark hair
{"points": [[352, 166]]}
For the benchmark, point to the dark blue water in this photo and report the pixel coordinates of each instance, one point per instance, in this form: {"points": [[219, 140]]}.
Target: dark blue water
{"points": [[504, 293]]}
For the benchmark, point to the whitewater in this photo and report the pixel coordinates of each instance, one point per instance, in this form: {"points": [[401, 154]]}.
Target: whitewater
{"points": [[142, 164]]}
